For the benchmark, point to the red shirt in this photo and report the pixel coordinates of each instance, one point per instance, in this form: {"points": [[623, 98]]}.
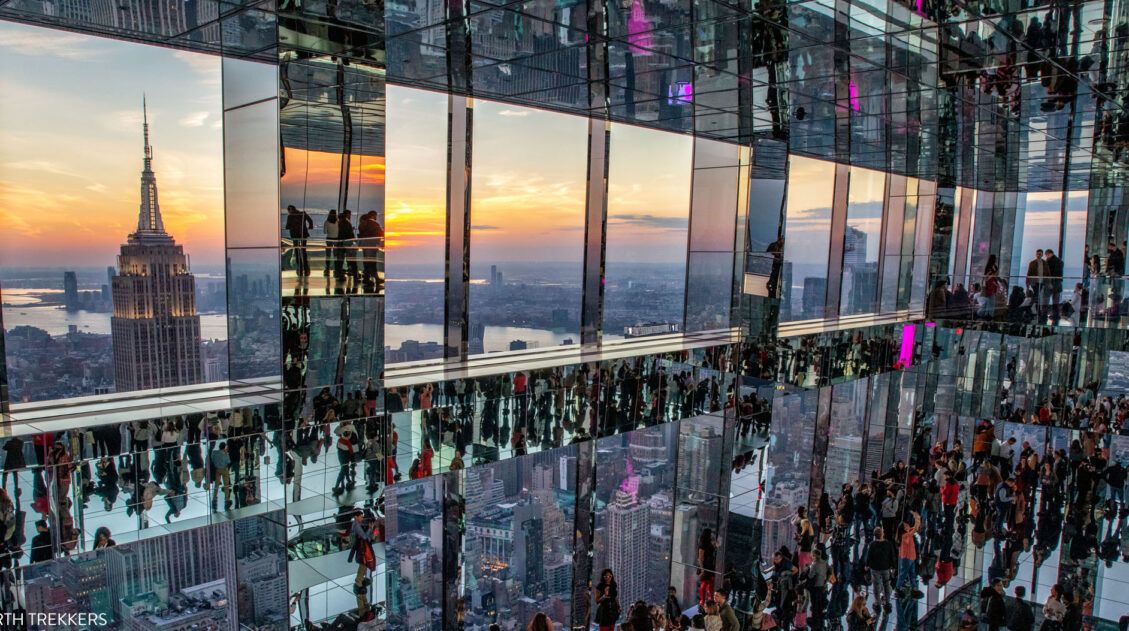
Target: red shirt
{"points": [[944, 572], [949, 493]]}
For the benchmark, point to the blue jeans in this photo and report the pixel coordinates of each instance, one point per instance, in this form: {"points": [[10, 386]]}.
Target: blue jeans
{"points": [[907, 573]]}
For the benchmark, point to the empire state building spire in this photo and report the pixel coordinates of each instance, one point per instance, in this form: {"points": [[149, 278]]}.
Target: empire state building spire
{"points": [[155, 326], [150, 227]]}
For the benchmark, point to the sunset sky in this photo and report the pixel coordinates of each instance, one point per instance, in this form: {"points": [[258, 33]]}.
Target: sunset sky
{"points": [[528, 187], [70, 185]]}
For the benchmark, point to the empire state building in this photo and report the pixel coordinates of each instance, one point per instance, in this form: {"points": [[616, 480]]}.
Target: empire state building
{"points": [[156, 330]]}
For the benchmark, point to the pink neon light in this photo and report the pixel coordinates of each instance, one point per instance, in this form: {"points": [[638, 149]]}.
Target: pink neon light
{"points": [[905, 355], [853, 91], [637, 35]]}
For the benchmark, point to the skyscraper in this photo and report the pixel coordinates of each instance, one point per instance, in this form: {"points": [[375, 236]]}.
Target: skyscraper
{"points": [[854, 247], [70, 291], [627, 537], [155, 327]]}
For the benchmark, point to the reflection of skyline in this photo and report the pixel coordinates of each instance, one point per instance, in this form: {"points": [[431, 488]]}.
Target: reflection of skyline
{"points": [[518, 545], [223, 576]]}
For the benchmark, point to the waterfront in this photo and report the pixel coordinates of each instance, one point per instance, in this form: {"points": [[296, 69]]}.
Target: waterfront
{"points": [[56, 320]]}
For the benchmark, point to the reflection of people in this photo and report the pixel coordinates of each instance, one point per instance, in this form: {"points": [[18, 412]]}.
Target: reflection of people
{"points": [[1036, 271], [1052, 282], [42, 549], [363, 554], [673, 608], [102, 538], [345, 263], [298, 225], [371, 236], [728, 618], [707, 563], [859, 618], [330, 228], [221, 474]]}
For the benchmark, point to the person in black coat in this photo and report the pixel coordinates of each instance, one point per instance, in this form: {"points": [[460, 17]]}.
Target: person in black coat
{"points": [[1020, 617], [993, 605], [42, 549], [13, 460], [607, 601]]}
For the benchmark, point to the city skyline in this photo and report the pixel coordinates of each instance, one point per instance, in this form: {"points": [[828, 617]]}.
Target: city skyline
{"points": [[75, 205]]}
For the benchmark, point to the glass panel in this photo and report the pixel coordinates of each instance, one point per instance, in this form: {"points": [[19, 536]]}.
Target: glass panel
{"points": [[416, 211], [905, 262], [86, 224], [250, 141], [765, 199], [1074, 240], [634, 515], [861, 242], [413, 517], [253, 315], [807, 236], [844, 448], [526, 273], [517, 547], [648, 212], [332, 180], [714, 207], [1038, 228], [247, 81], [709, 291]]}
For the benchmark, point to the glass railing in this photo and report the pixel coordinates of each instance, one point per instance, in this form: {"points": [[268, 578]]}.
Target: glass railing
{"points": [[951, 613]]}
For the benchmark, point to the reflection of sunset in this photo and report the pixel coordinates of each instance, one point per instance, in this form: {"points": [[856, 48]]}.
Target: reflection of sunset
{"points": [[313, 178], [69, 184]]}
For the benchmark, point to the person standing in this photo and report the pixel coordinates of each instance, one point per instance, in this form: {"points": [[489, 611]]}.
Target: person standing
{"points": [[1036, 271], [221, 474], [859, 617], [43, 548], [1052, 282], [881, 556], [371, 240], [345, 264], [1020, 617], [330, 228], [298, 225], [907, 558], [728, 618], [1054, 610], [607, 601], [707, 564], [995, 609], [673, 607]]}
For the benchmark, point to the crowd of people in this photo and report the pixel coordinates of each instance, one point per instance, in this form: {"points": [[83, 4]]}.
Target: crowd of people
{"points": [[862, 555], [1042, 296]]}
